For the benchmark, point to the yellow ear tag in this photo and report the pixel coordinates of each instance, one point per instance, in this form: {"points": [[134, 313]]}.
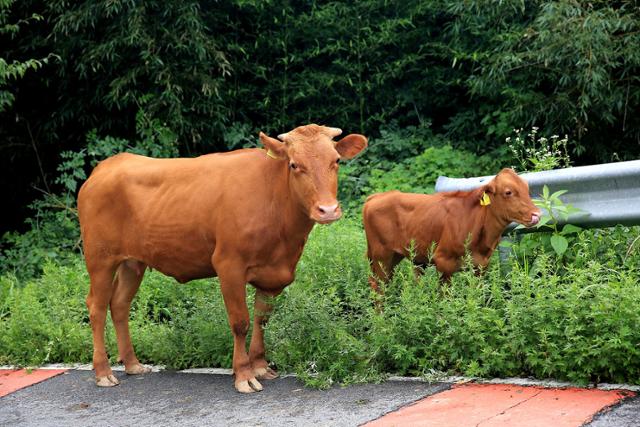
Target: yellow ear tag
{"points": [[485, 200], [272, 154]]}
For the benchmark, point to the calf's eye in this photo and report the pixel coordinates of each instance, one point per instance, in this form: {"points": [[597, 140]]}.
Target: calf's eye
{"points": [[293, 166], [508, 193]]}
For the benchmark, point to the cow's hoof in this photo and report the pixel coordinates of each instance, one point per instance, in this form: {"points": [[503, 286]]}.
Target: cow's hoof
{"points": [[248, 386], [265, 373], [108, 381], [137, 369]]}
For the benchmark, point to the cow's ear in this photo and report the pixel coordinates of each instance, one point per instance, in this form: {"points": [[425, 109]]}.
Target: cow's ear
{"points": [[351, 145], [274, 147]]}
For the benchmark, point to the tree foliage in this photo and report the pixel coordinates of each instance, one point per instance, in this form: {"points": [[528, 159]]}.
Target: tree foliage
{"points": [[213, 73], [13, 69], [568, 66]]}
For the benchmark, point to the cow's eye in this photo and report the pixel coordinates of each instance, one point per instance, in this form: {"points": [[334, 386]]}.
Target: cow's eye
{"points": [[293, 166], [337, 161], [508, 193]]}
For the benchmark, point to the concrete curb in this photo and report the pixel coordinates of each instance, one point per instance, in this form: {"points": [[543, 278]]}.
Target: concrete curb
{"points": [[440, 379]]}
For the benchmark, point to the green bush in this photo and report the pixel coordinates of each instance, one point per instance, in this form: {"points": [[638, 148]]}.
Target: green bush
{"points": [[419, 174], [54, 236], [545, 318]]}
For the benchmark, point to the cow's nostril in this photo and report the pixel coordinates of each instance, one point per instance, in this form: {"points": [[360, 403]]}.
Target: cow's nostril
{"points": [[327, 210]]}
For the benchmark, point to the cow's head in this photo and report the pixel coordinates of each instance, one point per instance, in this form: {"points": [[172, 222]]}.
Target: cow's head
{"points": [[510, 200], [313, 159]]}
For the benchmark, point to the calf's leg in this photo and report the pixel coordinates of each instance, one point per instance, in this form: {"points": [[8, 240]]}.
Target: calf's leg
{"points": [[262, 310], [128, 278], [382, 265], [446, 265], [100, 292]]}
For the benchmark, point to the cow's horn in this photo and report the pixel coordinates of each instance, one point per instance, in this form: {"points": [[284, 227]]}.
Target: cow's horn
{"points": [[283, 136], [333, 132]]}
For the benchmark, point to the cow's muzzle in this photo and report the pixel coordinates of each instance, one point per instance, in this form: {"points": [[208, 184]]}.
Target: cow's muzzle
{"points": [[325, 214], [535, 218]]}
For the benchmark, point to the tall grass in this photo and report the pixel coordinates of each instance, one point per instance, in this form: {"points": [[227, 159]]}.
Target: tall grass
{"points": [[547, 317]]}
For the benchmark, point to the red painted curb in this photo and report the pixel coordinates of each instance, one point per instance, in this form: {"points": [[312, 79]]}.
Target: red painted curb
{"points": [[15, 379], [503, 405]]}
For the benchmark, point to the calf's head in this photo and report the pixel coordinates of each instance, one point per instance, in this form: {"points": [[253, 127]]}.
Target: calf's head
{"points": [[510, 200], [313, 158]]}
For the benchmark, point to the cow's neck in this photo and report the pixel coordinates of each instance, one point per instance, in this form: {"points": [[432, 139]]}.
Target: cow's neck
{"points": [[488, 229]]}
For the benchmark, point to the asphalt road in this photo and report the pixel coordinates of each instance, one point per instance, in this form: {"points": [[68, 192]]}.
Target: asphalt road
{"points": [[625, 414], [170, 398], [190, 399]]}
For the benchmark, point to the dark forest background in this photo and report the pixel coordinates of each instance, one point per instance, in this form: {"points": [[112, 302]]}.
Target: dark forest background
{"points": [[188, 77]]}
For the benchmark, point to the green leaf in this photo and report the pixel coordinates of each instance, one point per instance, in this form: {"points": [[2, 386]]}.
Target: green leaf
{"points": [[558, 194], [559, 244], [545, 192], [543, 221], [570, 228]]}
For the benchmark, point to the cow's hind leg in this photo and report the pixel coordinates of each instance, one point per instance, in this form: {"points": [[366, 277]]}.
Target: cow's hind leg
{"points": [[128, 278], [100, 292], [261, 313]]}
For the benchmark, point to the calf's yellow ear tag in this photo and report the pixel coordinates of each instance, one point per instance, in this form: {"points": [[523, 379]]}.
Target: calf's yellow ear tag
{"points": [[485, 200]]}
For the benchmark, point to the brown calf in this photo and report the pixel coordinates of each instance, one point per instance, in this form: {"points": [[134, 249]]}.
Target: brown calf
{"points": [[393, 220], [243, 216]]}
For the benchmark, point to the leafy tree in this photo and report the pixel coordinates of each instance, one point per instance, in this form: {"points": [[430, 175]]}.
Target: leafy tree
{"points": [[123, 51], [567, 66], [13, 69], [213, 73]]}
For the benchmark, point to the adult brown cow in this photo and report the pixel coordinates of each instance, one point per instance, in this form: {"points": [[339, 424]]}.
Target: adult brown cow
{"points": [[243, 216], [393, 221]]}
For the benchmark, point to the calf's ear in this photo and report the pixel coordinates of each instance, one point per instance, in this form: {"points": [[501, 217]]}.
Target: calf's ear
{"points": [[351, 145], [490, 187], [274, 147], [508, 171]]}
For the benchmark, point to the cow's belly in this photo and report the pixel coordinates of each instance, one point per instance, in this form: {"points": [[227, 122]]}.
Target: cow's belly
{"points": [[182, 260], [183, 275]]}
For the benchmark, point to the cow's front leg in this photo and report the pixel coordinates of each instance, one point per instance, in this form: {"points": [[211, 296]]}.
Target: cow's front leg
{"points": [[261, 314], [233, 287]]}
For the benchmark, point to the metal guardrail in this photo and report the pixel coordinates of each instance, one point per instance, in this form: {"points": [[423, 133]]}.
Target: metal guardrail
{"points": [[608, 194]]}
